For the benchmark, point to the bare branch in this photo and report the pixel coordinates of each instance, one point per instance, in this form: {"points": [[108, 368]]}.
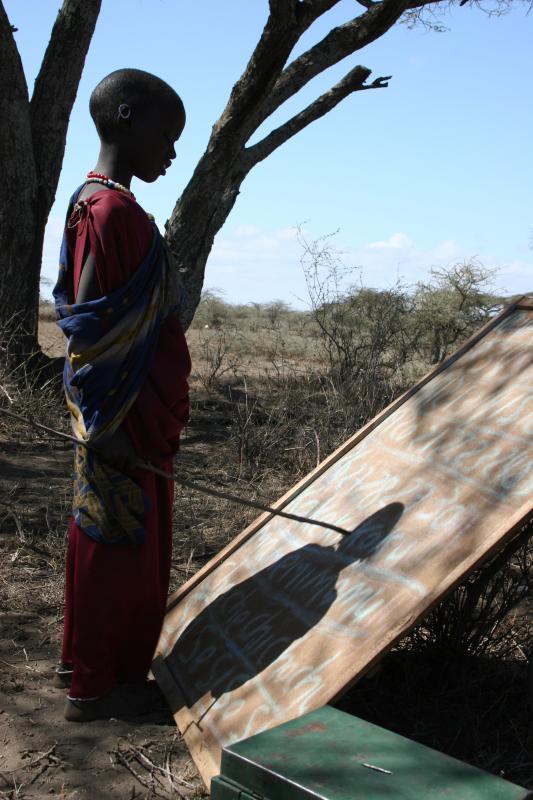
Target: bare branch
{"points": [[339, 43], [56, 87], [304, 10], [315, 8], [277, 6], [354, 81], [10, 63], [265, 84], [286, 23]]}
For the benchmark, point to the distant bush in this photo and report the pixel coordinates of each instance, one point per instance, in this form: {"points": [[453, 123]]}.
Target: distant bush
{"points": [[451, 307], [212, 311]]}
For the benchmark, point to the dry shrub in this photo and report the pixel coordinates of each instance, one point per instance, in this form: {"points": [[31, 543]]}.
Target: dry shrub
{"points": [[291, 420], [30, 383], [489, 614], [216, 351]]}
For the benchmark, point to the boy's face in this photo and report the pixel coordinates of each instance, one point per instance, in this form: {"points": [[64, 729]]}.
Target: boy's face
{"points": [[152, 138]]}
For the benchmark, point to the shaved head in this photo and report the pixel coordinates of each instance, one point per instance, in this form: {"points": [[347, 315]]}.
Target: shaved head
{"points": [[131, 89]]}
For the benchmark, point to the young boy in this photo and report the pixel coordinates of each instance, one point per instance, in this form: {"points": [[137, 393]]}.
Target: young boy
{"points": [[126, 372]]}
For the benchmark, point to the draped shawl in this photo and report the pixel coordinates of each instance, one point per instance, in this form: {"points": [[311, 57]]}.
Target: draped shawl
{"points": [[111, 342]]}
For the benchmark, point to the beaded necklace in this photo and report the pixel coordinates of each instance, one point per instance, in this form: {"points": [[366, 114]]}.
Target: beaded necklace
{"points": [[98, 177]]}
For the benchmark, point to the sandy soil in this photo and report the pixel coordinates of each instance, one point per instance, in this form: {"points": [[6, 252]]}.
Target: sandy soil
{"points": [[51, 339]]}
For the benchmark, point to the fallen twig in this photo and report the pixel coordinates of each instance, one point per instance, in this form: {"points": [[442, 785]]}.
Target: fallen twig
{"points": [[121, 758], [166, 771], [48, 752], [38, 774], [16, 664], [3, 388]]}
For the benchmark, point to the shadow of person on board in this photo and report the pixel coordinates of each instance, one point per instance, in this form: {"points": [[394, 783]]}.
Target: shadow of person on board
{"points": [[245, 629]]}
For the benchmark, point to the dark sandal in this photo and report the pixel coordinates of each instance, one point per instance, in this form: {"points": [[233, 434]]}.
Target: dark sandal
{"points": [[124, 702]]}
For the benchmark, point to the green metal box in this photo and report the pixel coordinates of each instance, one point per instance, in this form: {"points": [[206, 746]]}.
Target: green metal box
{"points": [[331, 755]]}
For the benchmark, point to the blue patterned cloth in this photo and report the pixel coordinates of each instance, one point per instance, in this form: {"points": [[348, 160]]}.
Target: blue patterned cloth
{"points": [[111, 342]]}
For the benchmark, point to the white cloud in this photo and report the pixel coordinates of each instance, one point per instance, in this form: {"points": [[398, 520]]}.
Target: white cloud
{"points": [[522, 269], [246, 231], [397, 241], [258, 266], [447, 251]]}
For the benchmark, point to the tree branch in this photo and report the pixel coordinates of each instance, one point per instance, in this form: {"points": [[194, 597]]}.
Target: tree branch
{"points": [[10, 63], [339, 43], [56, 87], [314, 8], [210, 195], [287, 21], [353, 82]]}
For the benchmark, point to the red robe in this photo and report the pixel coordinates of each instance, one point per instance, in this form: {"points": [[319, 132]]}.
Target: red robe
{"points": [[115, 595]]}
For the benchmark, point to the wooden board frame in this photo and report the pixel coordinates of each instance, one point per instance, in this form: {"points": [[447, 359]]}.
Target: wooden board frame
{"points": [[190, 727], [524, 302]]}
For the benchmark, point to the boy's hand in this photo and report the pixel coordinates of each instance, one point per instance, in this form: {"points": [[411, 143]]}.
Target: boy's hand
{"points": [[118, 450]]}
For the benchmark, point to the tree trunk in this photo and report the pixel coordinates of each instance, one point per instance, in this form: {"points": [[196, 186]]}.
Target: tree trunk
{"points": [[199, 214], [18, 197], [31, 152]]}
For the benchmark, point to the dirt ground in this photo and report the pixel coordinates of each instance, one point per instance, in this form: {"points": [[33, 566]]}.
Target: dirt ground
{"points": [[478, 710], [41, 754]]}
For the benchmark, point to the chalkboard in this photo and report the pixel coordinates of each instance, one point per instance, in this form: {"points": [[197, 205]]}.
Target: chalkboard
{"points": [[289, 615]]}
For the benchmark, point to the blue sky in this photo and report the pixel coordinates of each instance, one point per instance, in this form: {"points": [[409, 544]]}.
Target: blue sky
{"points": [[434, 170]]}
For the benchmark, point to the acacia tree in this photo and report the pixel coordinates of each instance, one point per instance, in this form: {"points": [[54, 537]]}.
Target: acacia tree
{"points": [[32, 143]]}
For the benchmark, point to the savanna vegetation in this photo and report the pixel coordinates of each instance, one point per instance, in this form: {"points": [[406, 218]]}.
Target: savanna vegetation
{"points": [[275, 390]]}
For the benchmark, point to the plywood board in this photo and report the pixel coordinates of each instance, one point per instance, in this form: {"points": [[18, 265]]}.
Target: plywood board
{"points": [[289, 615]]}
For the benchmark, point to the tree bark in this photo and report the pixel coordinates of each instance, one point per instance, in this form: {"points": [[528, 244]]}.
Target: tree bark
{"points": [[31, 152], [18, 190]]}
